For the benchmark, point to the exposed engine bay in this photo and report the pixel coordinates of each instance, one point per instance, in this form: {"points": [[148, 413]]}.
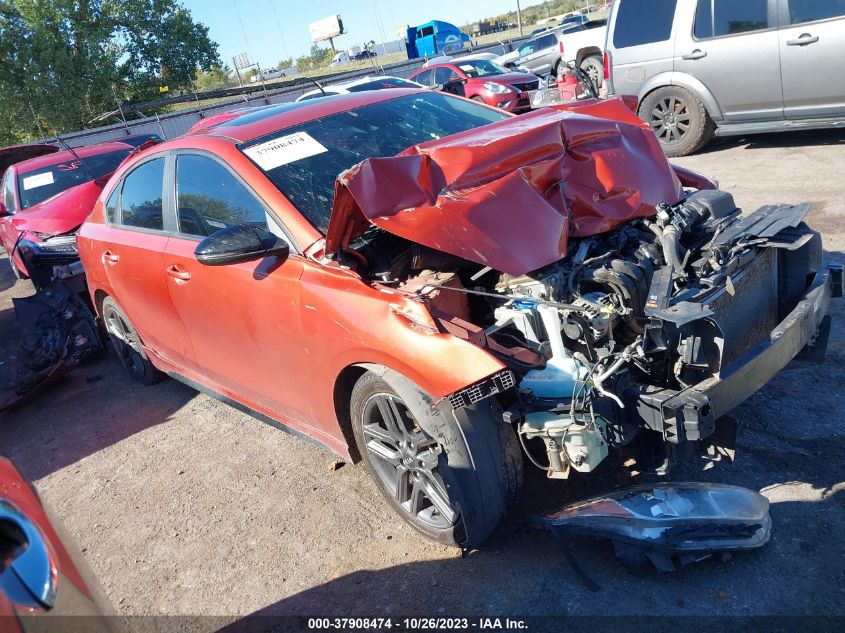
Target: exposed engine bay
{"points": [[617, 343]]}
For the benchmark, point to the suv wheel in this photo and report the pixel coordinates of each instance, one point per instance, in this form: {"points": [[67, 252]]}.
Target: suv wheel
{"points": [[452, 480], [127, 344], [593, 67], [679, 120]]}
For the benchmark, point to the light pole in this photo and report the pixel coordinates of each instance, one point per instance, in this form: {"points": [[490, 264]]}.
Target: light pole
{"points": [[519, 17]]}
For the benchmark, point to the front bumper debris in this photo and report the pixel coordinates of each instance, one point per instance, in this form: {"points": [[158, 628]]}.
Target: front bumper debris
{"points": [[690, 414], [57, 330], [664, 522]]}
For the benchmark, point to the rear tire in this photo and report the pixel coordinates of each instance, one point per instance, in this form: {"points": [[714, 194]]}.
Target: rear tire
{"points": [[127, 344], [593, 66], [679, 120], [452, 485]]}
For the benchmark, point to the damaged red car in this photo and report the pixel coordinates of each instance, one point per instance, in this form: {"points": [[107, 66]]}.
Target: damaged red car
{"points": [[45, 199], [436, 286]]}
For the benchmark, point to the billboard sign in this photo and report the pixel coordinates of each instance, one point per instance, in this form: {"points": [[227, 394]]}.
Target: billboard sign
{"points": [[326, 28], [241, 61]]}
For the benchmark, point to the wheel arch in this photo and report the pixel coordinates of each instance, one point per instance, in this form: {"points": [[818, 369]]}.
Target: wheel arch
{"points": [[586, 52], [683, 80], [99, 296]]}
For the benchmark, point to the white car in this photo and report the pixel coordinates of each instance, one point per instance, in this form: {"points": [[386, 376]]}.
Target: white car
{"points": [[360, 85]]}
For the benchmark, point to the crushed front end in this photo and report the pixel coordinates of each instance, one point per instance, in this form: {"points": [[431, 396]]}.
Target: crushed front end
{"points": [[632, 304], [653, 332]]}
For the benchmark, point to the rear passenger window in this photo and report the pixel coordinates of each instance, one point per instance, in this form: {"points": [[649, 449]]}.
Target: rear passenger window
{"points": [[140, 202], [729, 17], [424, 78], [210, 198], [111, 205], [547, 41], [641, 22], [801, 11]]}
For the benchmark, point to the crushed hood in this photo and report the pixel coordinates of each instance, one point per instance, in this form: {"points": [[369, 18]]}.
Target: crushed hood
{"points": [[509, 194], [62, 213]]}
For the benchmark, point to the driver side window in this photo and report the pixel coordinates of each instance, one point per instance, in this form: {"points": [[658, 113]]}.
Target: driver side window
{"points": [[527, 49], [210, 198], [442, 75]]}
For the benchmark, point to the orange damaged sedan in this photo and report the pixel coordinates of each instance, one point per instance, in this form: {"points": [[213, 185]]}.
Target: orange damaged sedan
{"points": [[439, 288]]}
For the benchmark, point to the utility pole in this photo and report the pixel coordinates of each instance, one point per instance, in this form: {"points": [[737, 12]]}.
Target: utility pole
{"points": [[519, 17]]}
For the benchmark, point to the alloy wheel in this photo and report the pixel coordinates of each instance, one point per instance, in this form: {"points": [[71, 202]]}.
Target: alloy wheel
{"points": [[125, 342], [405, 459], [670, 119]]}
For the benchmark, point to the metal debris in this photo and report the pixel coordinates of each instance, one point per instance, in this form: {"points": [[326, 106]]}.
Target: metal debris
{"points": [[58, 330]]}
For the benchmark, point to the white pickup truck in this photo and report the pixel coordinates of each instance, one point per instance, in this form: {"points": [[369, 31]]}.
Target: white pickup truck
{"points": [[543, 53]]}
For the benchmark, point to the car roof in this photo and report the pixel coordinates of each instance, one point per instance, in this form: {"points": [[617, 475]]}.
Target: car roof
{"points": [[344, 86], [65, 155], [270, 119]]}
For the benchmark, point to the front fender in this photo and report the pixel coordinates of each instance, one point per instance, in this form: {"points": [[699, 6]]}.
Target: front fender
{"points": [[674, 78], [347, 322]]}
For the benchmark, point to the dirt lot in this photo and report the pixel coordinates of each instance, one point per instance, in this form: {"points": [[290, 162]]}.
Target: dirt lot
{"points": [[184, 505]]}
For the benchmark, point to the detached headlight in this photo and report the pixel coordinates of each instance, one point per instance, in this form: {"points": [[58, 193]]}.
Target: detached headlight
{"points": [[58, 245], [496, 89]]}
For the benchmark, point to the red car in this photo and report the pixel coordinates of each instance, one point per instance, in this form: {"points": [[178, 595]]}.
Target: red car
{"points": [[45, 199], [41, 572], [421, 281], [485, 81]]}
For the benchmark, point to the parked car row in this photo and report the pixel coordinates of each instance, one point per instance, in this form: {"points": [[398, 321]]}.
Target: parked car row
{"points": [[705, 68], [719, 67]]}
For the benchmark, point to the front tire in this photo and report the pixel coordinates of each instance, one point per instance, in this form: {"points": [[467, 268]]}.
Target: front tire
{"points": [[679, 120], [449, 477], [127, 344]]}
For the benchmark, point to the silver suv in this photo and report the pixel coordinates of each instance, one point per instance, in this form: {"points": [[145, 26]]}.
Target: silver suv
{"points": [[728, 67], [545, 53]]}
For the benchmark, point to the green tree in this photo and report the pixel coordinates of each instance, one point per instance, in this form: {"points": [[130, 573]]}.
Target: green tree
{"points": [[69, 60], [286, 63], [216, 77]]}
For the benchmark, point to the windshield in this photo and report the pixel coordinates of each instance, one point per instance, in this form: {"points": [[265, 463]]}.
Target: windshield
{"points": [[480, 68], [38, 185], [304, 161]]}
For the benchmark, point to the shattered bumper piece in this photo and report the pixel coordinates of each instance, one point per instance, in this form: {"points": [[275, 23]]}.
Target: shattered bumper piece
{"points": [[657, 523]]}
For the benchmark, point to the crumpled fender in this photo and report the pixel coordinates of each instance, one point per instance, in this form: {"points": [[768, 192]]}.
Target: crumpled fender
{"points": [[508, 195]]}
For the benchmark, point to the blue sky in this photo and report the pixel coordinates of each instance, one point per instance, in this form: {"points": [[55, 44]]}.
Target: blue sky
{"points": [[269, 35]]}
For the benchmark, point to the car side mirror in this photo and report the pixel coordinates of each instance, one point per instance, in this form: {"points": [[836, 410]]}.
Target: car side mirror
{"points": [[239, 243]]}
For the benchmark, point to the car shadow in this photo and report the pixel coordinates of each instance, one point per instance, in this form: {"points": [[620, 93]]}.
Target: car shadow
{"points": [[7, 277], [526, 574], [95, 406], [801, 138]]}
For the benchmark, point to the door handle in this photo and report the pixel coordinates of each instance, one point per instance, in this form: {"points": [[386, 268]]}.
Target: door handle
{"points": [[805, 39], [696, 54], [110, 257], [178, 274]]}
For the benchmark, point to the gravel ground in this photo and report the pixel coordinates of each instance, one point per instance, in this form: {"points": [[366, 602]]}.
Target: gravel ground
{"points": [[183, 505]]}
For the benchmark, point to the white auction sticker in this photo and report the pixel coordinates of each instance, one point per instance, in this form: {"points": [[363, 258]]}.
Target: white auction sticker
{"points": [[284, 150], [38, 180]]}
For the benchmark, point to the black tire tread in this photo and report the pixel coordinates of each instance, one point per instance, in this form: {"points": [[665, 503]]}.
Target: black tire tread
{"points": [[152, 375], [474, 472], [699, 134]]}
